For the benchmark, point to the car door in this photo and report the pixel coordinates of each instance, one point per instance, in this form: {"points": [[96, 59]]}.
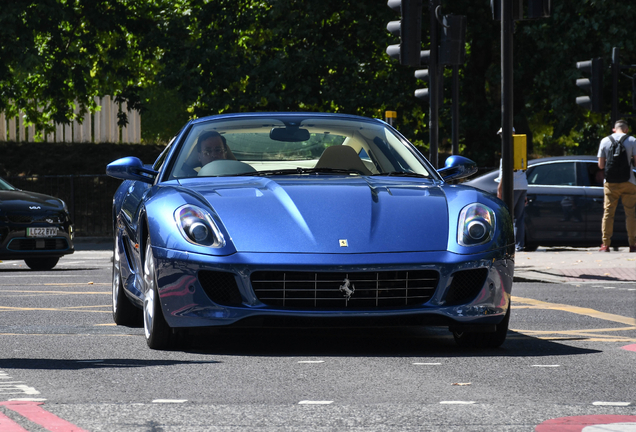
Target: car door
{"points": [[553, 215], [593, 177]]}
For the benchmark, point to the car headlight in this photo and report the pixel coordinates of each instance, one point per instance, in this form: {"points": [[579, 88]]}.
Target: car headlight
{"points": [[476, 225], [197, 227]]}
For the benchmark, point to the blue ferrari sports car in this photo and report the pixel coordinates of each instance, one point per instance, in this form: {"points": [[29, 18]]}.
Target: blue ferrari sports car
{"points": [[306, 219]]}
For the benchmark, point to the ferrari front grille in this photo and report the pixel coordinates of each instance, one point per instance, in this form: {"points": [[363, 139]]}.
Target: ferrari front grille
{"points": [[335, 290], [465, 286], [43, 244]]}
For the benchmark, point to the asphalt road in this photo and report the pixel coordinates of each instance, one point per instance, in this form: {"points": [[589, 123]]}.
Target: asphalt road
{"points": [[568, 360]]}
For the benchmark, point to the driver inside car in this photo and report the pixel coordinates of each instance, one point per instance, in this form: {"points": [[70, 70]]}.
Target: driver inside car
{"points": [[210, 146]]}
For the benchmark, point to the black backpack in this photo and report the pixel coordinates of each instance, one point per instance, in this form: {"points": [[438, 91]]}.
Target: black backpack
{"points": [[617, 165]]}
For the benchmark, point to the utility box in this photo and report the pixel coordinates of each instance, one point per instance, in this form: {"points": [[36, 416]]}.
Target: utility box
{"points": [[520, 153]]}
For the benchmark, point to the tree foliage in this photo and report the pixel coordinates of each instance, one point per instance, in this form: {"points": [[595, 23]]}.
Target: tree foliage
{"points": [[56, 55], [194, 58]]}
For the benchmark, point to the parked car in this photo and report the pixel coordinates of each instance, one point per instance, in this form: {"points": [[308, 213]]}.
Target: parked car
{"points": [[313, 219], [34, 227], [565, 202]]}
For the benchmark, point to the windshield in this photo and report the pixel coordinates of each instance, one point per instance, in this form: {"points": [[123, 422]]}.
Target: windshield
{"points": [[262, 146], [5, 186]]}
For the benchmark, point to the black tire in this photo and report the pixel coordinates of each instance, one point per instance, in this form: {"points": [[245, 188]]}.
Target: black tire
{"points": [[156, 330], [41, 263], [530, 248], [124, 312], [484, 340]]}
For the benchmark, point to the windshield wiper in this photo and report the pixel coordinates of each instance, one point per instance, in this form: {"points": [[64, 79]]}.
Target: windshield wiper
{"points": [[401, 174], [300, 170]]}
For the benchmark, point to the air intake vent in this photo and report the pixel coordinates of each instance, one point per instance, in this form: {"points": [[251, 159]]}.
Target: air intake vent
{"points": [[465, 286], [220, 287], [337, 291]]}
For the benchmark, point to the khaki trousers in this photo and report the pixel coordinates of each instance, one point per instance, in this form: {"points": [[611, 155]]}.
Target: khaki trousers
{"points": [[626, 192]]}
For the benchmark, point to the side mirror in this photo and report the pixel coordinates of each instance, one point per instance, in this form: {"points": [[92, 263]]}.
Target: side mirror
{"points": [[131, 168], [457, 167]]}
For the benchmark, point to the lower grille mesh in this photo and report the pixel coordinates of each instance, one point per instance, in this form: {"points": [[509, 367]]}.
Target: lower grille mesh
{"points": [[334, 290], [24, 244], [220, 287], [465, 286]]}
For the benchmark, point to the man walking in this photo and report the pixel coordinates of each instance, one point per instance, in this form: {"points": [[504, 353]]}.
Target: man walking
{"points": [[616, 155]]}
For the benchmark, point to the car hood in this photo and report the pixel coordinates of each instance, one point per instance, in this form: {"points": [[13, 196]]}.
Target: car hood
{"points": [[329, 214], [19, 200]]}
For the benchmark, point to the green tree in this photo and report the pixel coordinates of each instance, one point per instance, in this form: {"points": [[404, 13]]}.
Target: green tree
{"points": [[56, 54]]}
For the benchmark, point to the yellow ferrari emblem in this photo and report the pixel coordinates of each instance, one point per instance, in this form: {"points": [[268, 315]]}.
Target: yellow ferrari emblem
{"points": [[344, 243]]}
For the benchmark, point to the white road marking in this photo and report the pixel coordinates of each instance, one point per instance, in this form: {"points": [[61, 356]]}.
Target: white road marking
{"points": [[27, 400], [600, 403], [308, 402], [169, 400], [311, 361], [427, 364], [457, 402], [17, 388], [14, 387], [611, 427]]}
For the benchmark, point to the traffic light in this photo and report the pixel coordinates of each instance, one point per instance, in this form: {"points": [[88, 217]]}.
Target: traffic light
{"points": [[517, 9], [409, 29], [539, 9], [422, 74], [452, 49], [522, 9], [593, 85]]}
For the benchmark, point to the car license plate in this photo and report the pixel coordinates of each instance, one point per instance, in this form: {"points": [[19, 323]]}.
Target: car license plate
{"points": [[41, 232]]}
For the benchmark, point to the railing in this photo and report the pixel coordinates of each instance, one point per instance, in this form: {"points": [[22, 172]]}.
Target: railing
{"points": [[89, 199], [98, 127]]}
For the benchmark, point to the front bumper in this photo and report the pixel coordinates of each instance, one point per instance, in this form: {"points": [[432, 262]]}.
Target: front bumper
{"points": [[15, 244], [187, 303]]}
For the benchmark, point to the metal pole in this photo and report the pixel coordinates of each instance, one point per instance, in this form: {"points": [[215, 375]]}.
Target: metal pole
{"points": [[455, 109], [615, 74], [433, 86], [507, 24]]}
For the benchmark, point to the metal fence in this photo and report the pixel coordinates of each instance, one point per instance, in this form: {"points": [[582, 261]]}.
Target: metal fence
{"points": [[100, 126], [89, 199]]}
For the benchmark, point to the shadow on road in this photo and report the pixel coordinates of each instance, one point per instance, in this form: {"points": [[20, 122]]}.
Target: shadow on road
{"points": [[48, 364], [396, 342]]}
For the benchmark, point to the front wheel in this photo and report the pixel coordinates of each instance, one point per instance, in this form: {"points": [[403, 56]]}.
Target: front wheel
{"points": [[158, 333], [41, 263], [484, 340]]}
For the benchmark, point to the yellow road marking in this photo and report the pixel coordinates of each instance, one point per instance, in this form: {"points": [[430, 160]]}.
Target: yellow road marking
{"points": [[57, 284], [587, 334], [575, 309], [66, 334], [63, 309], [54, 292]]}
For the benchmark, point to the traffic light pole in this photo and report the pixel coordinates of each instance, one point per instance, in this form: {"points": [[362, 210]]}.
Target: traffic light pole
{"points": [[616, 70], [433, 75], [455, 110], [507, 24]]}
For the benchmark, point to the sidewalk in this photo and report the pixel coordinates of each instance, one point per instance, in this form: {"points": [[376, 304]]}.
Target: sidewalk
{"points": [[555, 265], [564, 264]]}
